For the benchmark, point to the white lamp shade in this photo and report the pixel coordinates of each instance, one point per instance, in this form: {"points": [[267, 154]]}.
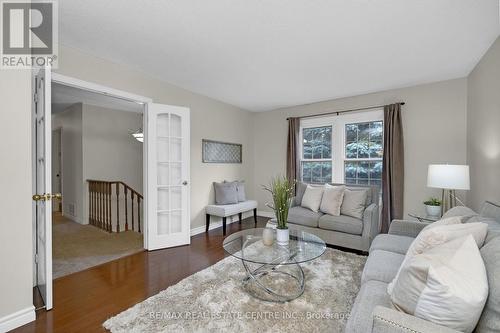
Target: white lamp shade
{"points": [[448, 176]]}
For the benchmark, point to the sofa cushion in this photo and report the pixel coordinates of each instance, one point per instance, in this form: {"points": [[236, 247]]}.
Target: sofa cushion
{"points": [[229, 210], [491, 210], [332, 199], [342, 223], [382, 266], [392, 243], [464, 212], [312, 197], [226, 193], [304, 216], [354, 203], [489, 321], [371, 294], [493, 226]]}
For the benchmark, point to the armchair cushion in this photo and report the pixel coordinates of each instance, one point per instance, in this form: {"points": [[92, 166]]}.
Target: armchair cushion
{"points": [[382, 266], [406, 228], [342, 223], [392, 243], [371, 294], [304, 216], [387, 320]]}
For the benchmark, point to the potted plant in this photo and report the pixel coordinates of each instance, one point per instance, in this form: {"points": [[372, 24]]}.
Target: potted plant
{"points": [[281, 190], [433, 207]]}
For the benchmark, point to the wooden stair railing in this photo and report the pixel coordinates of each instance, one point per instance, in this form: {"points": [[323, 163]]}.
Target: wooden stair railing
{"points": [[100, 199]]}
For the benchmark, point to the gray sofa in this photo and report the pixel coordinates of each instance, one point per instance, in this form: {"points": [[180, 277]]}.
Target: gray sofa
{"points": [[345, 231], [372, 310]]}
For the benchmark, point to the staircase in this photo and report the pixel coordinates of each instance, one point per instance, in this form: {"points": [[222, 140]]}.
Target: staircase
{"points": [[109, 206]]}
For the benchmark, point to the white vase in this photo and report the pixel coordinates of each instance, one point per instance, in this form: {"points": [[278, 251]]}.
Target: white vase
{"points": [[434, 211], [282, 236]]}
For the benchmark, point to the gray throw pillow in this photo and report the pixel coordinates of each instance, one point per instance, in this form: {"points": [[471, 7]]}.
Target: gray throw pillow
{"points": [[354, 203], [240, 188], [300, 189], [226, 193]]}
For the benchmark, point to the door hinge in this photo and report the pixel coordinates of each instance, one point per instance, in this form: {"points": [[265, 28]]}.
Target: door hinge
{"points": [[36, 258], [35, 97]]}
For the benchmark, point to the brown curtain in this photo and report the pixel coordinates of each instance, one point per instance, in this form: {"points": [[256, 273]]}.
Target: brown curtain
{"points": [[292, 150], [393, 166]]}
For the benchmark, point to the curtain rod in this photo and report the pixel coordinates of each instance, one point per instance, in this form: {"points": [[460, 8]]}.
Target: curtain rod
{"points": [[343, 111]]}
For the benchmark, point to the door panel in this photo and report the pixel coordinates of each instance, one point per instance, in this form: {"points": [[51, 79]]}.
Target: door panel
{"points": [[168, 188], [43, 184]]}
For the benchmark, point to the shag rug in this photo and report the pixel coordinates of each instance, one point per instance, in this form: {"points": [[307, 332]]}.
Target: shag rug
{"points": [[214, 300]]}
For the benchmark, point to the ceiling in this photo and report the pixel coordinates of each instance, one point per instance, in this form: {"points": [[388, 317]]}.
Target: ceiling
{"points": [[265, 54], [64, 96]]}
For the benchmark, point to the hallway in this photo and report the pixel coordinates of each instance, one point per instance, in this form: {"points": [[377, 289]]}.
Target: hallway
{"points": [[77, 247]]}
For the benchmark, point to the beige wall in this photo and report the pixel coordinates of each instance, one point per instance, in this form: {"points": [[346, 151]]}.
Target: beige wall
{"points": [[16, 279], [210, 119], [70, 122], [434, 125], [483, 129]]}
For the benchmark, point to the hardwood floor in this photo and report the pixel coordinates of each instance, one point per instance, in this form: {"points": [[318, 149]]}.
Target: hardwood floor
{"points": [[84, 300]]}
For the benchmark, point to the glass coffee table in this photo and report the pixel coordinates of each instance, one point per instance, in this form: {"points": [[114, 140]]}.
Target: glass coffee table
{"points": [[273, 273]]}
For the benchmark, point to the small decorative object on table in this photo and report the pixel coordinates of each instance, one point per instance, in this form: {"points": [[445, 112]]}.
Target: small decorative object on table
{"points": [[282, 192], [268, 236], [433, 207]]}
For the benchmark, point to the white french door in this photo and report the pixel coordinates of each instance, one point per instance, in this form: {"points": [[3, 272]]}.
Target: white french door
{"points": [[42, 184], [168, 176]]}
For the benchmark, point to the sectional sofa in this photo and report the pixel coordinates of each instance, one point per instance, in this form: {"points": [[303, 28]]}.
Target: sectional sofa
{"points": [[373, 310]]}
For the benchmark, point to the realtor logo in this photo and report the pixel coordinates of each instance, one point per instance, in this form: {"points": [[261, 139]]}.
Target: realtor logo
{"points": [[29, 31]]}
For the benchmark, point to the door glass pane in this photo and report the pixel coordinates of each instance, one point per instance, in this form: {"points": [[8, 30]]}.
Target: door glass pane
{"points": [[175, 174], [176, 197], [163, 199], [163, 174], [163, 223], [162, 149], [175, 150], [175, 125], [176, 221], [162, 125]]}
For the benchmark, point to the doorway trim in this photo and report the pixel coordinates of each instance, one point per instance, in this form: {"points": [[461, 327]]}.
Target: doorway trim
{"points": [[107, 91]]}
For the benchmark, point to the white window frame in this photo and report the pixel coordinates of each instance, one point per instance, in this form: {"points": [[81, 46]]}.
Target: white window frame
{"points": [[338, 138]]}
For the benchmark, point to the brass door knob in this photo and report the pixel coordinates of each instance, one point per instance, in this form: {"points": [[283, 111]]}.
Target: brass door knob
{"points": [[57, 196], [38, 197]]}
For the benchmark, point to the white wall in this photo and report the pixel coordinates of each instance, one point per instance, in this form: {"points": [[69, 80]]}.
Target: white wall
{"points": [[110, 152], [434, 125], [70, 122], [483, 129], [16, 249], [210, 119]]}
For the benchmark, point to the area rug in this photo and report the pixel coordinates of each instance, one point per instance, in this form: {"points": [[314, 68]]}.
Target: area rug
{"points": [[214, 300]]}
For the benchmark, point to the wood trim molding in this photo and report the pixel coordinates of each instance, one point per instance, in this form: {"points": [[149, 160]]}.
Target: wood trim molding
{"points": [[17, 319]]}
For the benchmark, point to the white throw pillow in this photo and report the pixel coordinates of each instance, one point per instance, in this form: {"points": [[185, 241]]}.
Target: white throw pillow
{"points": [[312, 197], [353, 203], [446, 284], [439, 233], [332, 199]]}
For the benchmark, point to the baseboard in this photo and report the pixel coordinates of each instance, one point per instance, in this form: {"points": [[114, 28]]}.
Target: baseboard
{"points": [[265, 214], [17, 319], [214, 225]]}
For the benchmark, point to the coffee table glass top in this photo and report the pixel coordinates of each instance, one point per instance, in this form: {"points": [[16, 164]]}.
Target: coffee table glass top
{"points": [[247, 245]]}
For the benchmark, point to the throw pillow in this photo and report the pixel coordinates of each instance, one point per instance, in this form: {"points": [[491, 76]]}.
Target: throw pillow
{"points": [[464, 212], [446, 285], [300, 189], [439, 233], [353, 203], [332, 199], [312, 197], [240, 188], [225, 193]]}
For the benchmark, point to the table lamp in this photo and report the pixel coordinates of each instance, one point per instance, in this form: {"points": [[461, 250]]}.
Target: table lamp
{"points": [[449, 178]]}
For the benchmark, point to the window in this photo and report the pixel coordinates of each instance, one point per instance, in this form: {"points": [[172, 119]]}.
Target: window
{"points": [[342, 149], [316, 162], [363, 153]]}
